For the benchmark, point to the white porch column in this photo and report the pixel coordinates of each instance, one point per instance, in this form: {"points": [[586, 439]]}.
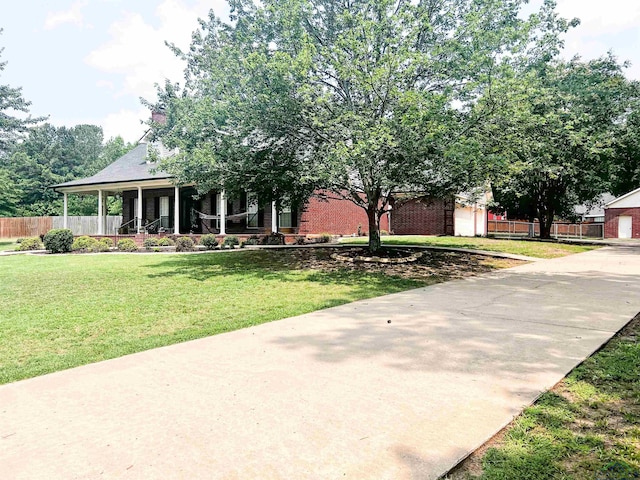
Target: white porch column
{"points": [[274, 218], [65, 209], [100, 213], [139, 212], [223, 214], [176, 211]]}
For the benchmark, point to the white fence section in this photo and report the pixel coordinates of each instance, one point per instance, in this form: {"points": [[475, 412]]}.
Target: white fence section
{"points": [[88, 225], [558, 230]]}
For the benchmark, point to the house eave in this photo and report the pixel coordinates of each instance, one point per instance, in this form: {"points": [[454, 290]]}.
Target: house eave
{"points": [[626, 195], [93, 188]]}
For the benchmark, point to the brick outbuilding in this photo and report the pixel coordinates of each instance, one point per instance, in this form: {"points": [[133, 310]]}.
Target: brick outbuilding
{"points": [[622, 216]]}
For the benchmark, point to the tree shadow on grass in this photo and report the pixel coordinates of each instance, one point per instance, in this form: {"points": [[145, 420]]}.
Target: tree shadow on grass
{"points": [[280, 266]]}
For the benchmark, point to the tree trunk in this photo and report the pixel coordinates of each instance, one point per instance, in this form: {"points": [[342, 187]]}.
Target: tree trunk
{"points": [[546, 222], [374, 227]]}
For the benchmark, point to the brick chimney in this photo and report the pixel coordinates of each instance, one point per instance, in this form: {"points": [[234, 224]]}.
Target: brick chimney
{"points": [[159, 117]]}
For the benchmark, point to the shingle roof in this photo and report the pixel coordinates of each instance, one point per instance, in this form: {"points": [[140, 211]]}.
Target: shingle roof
{"points": [[131, 167]]}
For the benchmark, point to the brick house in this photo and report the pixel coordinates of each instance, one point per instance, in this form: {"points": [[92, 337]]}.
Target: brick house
{"points": [[152, 203], [622, 216]]}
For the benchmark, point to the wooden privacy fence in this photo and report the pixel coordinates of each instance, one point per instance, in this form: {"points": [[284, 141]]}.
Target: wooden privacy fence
{"points": [[24, 226], [17, 227], [88, 225], [526, 229]]}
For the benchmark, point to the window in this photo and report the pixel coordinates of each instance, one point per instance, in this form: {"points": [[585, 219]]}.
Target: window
{"points": [[252, 211], [285, 219], [164, 212]]}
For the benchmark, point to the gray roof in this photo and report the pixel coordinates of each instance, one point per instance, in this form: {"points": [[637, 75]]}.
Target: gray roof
{"points": [[131, 167], [596, 208]]}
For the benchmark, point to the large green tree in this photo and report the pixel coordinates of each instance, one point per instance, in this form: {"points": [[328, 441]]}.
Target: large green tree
{"points": [[362, 98], [552, 134]]}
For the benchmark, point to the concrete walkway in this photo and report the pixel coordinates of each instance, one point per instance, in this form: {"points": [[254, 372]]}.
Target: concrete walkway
{"points": [[339, 393]]}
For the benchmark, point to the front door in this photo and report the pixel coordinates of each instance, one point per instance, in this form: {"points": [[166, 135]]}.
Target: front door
{"points": [[625, 227]]}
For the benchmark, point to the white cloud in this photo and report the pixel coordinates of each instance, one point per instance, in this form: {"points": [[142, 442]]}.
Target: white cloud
{"points": [[598, 18], [74, 16], [137, 54], [126, 123], [137, 49]]}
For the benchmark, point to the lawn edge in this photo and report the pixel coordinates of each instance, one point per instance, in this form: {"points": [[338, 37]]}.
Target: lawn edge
{"points": [[501, 432]]}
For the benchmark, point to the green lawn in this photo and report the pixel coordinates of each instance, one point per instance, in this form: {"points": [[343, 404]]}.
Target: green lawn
{"points": [[520, 247], [7, 245], [60, 311], [587, 427]]}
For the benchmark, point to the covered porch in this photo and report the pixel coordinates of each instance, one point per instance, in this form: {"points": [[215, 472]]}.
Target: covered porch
{"points": [[159, 207]]}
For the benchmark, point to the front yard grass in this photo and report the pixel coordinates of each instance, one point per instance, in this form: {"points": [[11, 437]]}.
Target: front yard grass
{"points": [[587, 427], [529, 248], [61, 311], [7, 245]]}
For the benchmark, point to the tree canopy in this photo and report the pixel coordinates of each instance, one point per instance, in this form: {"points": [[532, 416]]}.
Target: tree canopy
{"points": [[362, 98], [552, 137]]}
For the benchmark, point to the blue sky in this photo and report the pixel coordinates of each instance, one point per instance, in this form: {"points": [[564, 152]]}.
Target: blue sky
{"points": [[89, 61]]}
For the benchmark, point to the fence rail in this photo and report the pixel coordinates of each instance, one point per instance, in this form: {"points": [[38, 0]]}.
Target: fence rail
{"points": [[558, 230], [16, 227]]}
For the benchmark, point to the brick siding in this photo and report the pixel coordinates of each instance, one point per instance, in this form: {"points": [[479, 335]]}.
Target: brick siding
{"points": [[611, 221], [422, 217], [335, 216]]}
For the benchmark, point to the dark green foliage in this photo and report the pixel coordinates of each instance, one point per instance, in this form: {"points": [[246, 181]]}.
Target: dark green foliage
{"points": [[230, 241], [50, 155], [127, 245], [359, 98], [32, 243], [58, 240], [209, 241], [551, 135], [273, 239], [184, 244], [252, 240]]}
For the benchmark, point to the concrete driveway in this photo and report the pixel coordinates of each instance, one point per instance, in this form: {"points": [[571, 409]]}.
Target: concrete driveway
{"points": [[339, 393]]}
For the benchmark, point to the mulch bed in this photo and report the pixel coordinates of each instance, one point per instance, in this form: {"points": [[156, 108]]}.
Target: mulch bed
{"points": [[431, 264]]}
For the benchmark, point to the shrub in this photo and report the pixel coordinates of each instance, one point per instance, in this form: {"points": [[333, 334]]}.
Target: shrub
{"points": [[275, 239], [103, 245], [184, 244], [150, 242], [324, 238], [209, 241], [19, 240], [300, 240], [106, 241], [84, 244], [383, 233], [252, 240], [127, 245], [166, 242], [32, 243], [230, 241], [58, 240]]}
